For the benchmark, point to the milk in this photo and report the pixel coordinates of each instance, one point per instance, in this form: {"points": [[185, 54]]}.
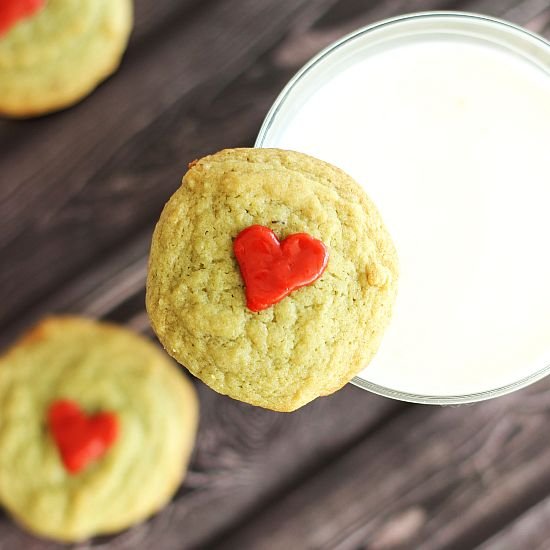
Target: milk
{"points": [[451, 140]]}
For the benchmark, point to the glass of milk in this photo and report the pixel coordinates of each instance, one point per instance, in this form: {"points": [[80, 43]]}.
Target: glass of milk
{"points": [[444, 119]]}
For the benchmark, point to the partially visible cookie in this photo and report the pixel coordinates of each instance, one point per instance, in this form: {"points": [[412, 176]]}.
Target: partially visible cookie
{"points": [[311, 342], [54, 57], [68, 376]]}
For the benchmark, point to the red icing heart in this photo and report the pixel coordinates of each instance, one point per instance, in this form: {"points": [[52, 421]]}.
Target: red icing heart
{"points": [[80, 438], [11, 11], [272, 269]]}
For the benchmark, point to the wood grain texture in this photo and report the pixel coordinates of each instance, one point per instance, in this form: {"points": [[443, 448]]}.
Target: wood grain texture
{"points": [[530, 531], [152, 18], [433, 478], [79, 193]]}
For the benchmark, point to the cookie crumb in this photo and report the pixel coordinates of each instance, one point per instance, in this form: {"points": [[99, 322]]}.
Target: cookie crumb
{"points": [[377, 275]]}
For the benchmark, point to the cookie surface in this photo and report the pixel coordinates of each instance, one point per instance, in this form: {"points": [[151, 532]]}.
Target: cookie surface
{"points": [[103, 368], [60, 54], [314, 340]]}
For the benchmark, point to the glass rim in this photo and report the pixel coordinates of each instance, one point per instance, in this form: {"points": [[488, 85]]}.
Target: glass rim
{"points": [[281, 99]]}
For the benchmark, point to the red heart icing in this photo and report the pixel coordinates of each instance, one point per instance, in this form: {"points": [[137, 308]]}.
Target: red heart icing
{"points": [[11, 11], [272, 269], [80, 438]]}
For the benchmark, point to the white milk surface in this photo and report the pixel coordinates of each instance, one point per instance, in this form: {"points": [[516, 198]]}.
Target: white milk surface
{"points": [[452, 142]]}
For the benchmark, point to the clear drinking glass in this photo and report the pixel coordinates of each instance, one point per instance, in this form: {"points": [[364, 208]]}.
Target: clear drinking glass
{"points": [[529, 47]]}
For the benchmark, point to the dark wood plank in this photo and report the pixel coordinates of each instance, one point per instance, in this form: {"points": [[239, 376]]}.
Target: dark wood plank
{"points": [[306, 39], [435, 478], [540, 22], [526, 11], [496, 8], [151, 17], [531, 531]]}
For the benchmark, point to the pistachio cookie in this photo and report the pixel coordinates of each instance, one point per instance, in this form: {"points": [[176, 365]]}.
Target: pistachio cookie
{"points": [[54, 52], [96, 428], [271, 276]]}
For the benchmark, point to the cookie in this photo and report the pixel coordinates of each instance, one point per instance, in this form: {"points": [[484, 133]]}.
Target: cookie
{"points": [[55, 56], [96, 428], [310, 342]]}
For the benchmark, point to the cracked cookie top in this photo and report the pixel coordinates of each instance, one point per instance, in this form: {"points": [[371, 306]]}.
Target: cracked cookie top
{"points": [[313, 341]]}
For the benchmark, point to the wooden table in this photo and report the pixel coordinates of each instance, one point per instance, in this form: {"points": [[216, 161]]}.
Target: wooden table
{"points": [[79, 194]]}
